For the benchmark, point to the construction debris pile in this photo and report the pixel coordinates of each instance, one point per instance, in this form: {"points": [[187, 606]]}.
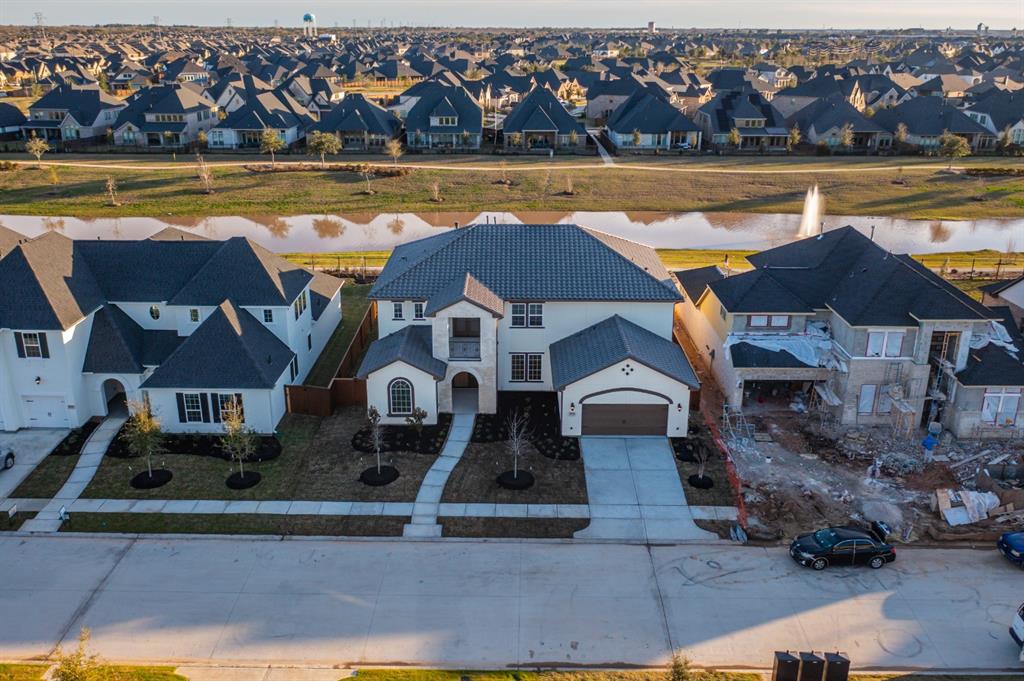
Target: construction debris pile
{"points": [[798, 477]]}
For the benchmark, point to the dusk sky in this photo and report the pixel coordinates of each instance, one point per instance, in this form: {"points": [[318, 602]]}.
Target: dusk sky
{"points": [[998, 14]]}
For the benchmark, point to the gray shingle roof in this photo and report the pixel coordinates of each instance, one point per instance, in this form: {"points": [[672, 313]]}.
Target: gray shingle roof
{"points": [[466, 287], [117, 344], [745, 355], [541, 110], [993, 365], [695, 281], [611, 341], [229, 350], [528, 262], [411, 344]]}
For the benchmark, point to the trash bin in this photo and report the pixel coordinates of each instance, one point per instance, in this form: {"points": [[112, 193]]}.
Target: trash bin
{"points": [[786, 666], [837, 667], [812, 667]]}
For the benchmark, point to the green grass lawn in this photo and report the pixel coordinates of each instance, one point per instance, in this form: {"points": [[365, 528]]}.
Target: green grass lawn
{"points": [[353, 308], [670, 184], [34, 672], [47, 478], [237, 523], [22, 672]]}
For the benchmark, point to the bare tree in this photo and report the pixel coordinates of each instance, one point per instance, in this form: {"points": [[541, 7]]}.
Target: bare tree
{"points": [[376, 432], [435, 191], [204, 174], [366, 178], [394, 150], [416, 420], [112, 191], [239, 440], [517, 429]]}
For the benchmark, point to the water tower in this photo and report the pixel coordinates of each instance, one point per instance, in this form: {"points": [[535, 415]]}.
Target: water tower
{"points": [[309, 25]]}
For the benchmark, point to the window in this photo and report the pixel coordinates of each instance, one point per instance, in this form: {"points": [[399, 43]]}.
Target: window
{"points": [[309, 341], [226, 403], [400, 397], [154, 312], [268, 316], [533, 367], [193, 315], [294, 367], [33, 346], [518, 314], [885, 343], [417, 310], [193, 408], [300, 304], [536, 316], [526, 367], [866, 400], [1000, 406], [757, 320], [721, 311], [398, 311], [779, 321]]}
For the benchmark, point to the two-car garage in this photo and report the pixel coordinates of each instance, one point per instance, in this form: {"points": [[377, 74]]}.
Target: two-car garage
{"points": [[624, 419]]}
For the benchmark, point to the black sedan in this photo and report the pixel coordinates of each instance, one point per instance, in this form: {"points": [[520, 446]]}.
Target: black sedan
{"points": [[844, 546]]}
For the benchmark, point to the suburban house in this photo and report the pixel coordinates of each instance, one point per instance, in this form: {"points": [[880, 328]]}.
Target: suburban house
{"points": [[360, 124], [185, 322], [444, 117], [604, 96], [792, 99], [557, 308], [825, 120], [72, 112], [1000, 112], [648, 121], [165, 116], [260, 109], [540, 123], [837, 324], [926, 118], [11, 121], [758, 124]]}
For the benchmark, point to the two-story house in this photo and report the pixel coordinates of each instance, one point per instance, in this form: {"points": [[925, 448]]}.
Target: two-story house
{"points": [[838, 323], [444, 117], [73, 112], [556, 308], [188, 323], [165, 116]]}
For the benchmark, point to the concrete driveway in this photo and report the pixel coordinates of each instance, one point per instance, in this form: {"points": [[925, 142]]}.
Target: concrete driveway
{"points": [[634, 491], [30, 447], [492, 604]]}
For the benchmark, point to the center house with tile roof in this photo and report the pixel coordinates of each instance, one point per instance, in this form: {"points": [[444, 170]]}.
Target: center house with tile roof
{"points": [[863, 335], [187, 322], [563, 308]]}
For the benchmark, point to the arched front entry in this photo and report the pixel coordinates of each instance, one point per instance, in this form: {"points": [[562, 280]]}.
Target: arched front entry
{"points": [[115, 397], [465, 393]]}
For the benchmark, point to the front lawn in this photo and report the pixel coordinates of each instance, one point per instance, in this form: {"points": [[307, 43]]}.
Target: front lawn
{"points": [[514, 528], [237, 523], [49, 476], [474, 478], [353, 308], [35, 672], [317, 463]]}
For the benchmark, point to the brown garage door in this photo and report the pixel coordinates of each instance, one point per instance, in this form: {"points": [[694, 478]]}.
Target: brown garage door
{"points": [[625, 419]]}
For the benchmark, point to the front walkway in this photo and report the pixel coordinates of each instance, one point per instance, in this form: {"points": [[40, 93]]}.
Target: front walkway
{"points": [[48, 519], [428, 500], [635, 492], [606, 158]]}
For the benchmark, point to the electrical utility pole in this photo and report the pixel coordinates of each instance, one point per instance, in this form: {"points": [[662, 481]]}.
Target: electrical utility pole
{"points": [[39, 23]]}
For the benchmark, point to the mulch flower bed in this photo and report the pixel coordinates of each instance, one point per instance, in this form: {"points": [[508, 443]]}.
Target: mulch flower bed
{"points": [[516, 480], [73, 442], [541, 412], [159, 478], [267, 449], [238, 481], [378, 478], [430, 440]]}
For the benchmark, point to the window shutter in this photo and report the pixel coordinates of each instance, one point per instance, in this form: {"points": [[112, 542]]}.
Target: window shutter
{"points": [[204, 402], [239, 405], [181, 407], [20, 343], [215, 399], [44, 349]]}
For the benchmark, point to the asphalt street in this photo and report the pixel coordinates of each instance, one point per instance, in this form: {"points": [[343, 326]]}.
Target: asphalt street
{"points": [[492, 604]]}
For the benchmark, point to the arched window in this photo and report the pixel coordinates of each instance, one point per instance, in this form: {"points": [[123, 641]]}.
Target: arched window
{"points": [[400, 397], [154, 312]]}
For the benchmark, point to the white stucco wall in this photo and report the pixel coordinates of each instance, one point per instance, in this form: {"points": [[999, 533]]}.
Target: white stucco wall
{"points": [[628, 387], [424, 391], [263, 408]]}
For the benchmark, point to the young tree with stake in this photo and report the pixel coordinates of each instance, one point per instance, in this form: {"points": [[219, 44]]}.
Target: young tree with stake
{"points": [[239, 440], [271, 143], [37, 146], [518, 430], [376, 432], [394, 149], [143, 432]]}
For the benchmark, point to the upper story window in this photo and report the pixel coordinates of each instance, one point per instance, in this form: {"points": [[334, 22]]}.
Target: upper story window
{"points": [[398, 311], [417, 310], [535, 314], [518, 314], [300, 304], [768, 321], [154, 312], [885, 343], [193, 315], [268, 316], [32, 344], [445, 121]]}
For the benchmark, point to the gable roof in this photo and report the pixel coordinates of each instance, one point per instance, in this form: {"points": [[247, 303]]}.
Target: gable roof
{"points": [[541, 110], [467, 288], [230, 349], [928, 116], [528, 262], [117, 344], [695, 281], [356, 113], [611, 341], [994, 365], [650, 114], [440, 100], [411, 344]]}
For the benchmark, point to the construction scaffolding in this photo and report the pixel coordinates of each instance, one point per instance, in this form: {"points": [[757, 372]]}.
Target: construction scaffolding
{"points": [[824, 399], [737, 431]]}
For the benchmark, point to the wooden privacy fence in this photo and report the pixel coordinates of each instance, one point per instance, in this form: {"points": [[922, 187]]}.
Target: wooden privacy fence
{"points": [[344, 390]]}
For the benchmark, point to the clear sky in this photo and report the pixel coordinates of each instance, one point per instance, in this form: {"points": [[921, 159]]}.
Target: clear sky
{"points": [[998, 14]]}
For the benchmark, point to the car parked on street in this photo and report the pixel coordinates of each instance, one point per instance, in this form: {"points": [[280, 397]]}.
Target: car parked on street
{"points": [[1011, 545], [8, 460], [841, 546], [1017, 630]]}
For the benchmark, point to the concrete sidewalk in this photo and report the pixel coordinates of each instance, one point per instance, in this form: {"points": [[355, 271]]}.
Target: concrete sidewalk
{"points": [[428, 500], [489, 605]]}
